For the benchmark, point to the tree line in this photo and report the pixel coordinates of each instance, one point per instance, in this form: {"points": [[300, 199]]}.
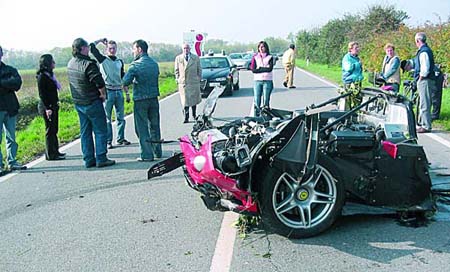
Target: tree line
{"points": [[161, 52], [375, 27]]}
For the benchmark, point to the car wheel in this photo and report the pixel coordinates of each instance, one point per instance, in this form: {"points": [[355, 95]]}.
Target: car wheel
{"points": [[228, 90], [236, 87], [301, 210]]}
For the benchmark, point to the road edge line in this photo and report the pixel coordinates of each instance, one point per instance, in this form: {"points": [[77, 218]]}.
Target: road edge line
{"points": [[438, 139]]}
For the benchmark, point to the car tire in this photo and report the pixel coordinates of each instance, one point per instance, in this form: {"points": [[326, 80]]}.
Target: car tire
{"points": [[236, 87], [228, 90], [313, 207]]}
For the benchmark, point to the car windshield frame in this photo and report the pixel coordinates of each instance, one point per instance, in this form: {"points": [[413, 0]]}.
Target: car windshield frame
{"points": [[214, 63]]}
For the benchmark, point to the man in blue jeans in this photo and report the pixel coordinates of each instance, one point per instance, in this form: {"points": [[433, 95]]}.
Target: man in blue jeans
{"points": [[143, 73], [10, 83], [88, 93], [112, 71]]}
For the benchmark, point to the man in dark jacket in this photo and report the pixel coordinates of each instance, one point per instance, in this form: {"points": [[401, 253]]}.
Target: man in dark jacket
{"points": [[88, 92], [10, 83], [425, 77], [436, 95]]}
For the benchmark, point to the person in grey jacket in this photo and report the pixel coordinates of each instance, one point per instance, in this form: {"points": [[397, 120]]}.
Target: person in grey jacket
{"points": [[112, 70], [10, 83], [143, 73]]}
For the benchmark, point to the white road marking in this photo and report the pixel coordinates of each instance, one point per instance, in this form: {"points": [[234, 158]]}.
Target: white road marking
{"points": [[318, 78], [438, 139], [223, 254]]}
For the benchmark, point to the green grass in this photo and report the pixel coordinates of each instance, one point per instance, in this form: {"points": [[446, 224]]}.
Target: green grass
{"points": [[333, 74], [30, 135], [444, 118]]}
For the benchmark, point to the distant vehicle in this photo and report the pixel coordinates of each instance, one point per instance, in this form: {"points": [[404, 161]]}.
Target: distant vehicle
{"points": [[218, 70], [276, 57], [242, 60]]}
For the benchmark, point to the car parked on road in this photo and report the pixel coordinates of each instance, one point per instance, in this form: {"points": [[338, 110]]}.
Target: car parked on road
{"points": [[218, 70], [242, 60]]}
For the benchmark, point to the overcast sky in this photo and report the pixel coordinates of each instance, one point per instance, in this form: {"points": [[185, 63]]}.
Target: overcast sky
{"points": [[45, 24]]}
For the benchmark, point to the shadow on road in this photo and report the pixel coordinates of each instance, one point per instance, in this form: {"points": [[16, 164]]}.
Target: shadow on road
{"points": [[376, 238]]}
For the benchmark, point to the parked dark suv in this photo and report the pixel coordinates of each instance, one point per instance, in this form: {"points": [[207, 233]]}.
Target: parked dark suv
{"points": [[218, 71]]}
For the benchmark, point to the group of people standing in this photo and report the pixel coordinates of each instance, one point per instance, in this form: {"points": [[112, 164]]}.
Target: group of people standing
{"points": [[98, 88], [90, 86], [426, 75]]}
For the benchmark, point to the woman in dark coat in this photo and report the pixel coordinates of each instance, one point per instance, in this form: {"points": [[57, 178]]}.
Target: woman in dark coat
{"points": [[48, 106]]}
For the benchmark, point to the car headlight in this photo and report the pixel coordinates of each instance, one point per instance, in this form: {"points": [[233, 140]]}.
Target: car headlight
{"points": [[199, 163], [221, 79]]}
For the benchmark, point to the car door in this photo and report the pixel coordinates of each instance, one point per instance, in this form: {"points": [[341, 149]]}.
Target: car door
{"points": [[233, 71]]}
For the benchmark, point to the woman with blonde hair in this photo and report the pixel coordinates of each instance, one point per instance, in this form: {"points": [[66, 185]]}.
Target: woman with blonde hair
{"points": [[351, 66], [390, 69]]}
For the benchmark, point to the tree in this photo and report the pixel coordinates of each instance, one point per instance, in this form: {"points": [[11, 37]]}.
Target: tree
{"points": [[334, 37], [277, 45]]}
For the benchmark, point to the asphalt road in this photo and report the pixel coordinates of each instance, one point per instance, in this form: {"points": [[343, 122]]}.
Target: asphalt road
{"points": [[59, 216]]}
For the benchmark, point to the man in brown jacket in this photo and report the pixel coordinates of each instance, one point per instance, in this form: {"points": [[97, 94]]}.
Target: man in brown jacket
{"points": [[289, 66], [188, 75]]}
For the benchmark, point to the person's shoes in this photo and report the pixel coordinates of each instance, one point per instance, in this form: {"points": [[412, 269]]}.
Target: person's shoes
{"points": [[422, 130], [292, 87], [61, 154], [17, 166], [110, 146], [4, 172], [123, 142], [139, 159], [106, 163], [285, 84], [90, 165], [57, 158], [186, 121]]}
